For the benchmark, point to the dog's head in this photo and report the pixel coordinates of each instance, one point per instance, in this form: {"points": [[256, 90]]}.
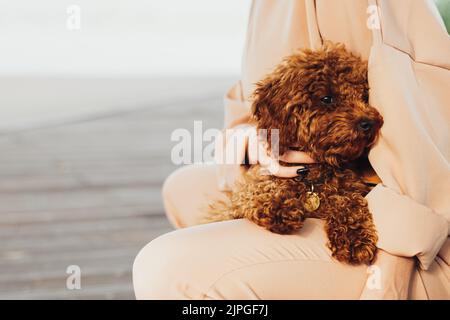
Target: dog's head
{"points": [[318, 100]]}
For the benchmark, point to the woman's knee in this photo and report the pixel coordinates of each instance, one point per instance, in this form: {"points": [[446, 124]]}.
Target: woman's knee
{"points": [[155, 269], [185, 264], [173, 266]]}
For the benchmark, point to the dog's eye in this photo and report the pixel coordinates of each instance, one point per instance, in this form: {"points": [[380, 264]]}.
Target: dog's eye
{"points": [[327, 100]]}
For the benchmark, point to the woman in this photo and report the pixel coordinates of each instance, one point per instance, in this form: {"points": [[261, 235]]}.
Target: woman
{"points": [[238, 260]]}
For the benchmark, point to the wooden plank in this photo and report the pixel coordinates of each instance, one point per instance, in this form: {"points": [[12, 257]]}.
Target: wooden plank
{"points": [[70, 242], [81, 198], [110, 291], [68, 215], [64, 229]]}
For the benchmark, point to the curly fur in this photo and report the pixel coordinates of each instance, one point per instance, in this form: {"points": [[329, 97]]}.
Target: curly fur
{"points": [[289, 99]]}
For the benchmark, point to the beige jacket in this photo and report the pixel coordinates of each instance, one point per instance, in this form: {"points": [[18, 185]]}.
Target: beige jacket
{"points": [[408, 50]]}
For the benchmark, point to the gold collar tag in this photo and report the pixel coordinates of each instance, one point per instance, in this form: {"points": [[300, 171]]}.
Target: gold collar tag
{"points": [[312, 201]]}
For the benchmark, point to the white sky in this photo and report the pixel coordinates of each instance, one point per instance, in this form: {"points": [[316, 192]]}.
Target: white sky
{"points": [[123, 37]]}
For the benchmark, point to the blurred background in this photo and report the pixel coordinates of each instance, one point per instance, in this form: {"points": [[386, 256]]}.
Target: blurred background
{"points": [[90, 91]]}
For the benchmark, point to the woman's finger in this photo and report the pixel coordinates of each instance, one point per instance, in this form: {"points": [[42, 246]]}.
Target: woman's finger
{"points": [[286, 172], [272, 166], [292, 156]]}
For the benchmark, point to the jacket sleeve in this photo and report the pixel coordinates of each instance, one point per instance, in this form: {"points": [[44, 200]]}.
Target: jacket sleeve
{"points": [[405, 227]]}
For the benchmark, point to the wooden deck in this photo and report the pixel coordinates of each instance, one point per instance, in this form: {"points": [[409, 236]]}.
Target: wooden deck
{"points": [[87, 193]]}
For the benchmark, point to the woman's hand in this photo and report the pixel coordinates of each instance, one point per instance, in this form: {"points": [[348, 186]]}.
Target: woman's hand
{"points": [[241, 143], [389, 278], [258, 153]]}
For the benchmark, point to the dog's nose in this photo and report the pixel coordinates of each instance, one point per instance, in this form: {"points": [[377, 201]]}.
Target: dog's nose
{"points": [[365, 125]]}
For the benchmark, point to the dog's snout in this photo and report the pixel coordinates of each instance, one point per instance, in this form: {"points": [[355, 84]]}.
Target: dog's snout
{"points": [[365, 125]]}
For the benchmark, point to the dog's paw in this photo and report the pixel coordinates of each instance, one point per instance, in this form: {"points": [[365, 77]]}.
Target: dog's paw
{"points": [[363, 254], [282, 221], [285, 227]]}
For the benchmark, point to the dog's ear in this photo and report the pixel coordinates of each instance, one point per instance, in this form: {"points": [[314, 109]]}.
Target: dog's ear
{"points": [[276, 100], [270, 110], [266, 104]]}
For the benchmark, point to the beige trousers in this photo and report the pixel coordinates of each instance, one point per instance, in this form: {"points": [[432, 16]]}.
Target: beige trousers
{"points": [[239, 260]]}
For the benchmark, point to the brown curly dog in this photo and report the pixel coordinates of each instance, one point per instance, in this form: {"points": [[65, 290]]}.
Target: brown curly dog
{"points": [[318, 100]]}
